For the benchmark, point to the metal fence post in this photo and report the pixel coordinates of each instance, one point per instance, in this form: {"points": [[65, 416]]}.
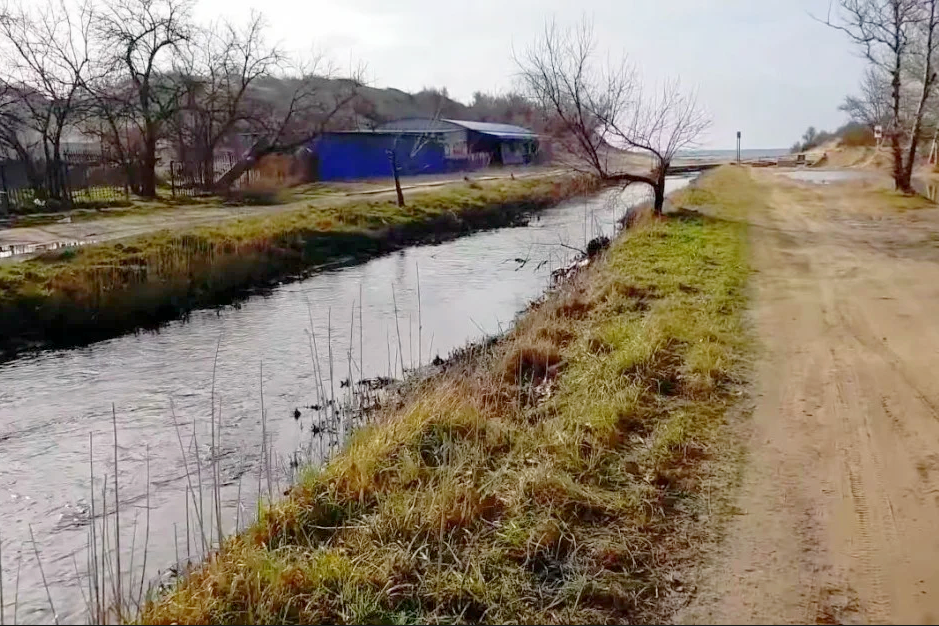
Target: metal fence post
{"points": [[5, 202], [67, 184], [172, 179]]}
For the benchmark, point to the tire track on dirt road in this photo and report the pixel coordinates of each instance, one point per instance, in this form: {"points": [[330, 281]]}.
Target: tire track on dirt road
{"points": [[839, 498]]}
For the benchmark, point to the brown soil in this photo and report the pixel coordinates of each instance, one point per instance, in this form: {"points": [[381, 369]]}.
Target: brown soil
{"points": [[837, 519]]}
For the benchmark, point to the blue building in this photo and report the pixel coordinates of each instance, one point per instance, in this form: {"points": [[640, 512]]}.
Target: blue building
{"points": [[418, 146]]}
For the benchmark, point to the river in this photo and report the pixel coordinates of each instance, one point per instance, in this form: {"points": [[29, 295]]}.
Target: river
{"points": [[53, 402]]}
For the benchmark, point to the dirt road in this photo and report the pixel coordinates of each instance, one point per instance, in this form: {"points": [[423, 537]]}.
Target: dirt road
{"points": [[130, 224], [837, 519]]}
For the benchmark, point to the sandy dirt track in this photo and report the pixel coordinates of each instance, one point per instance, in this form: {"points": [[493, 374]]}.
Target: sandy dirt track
{"points": [[837, 518], [109, 228]]}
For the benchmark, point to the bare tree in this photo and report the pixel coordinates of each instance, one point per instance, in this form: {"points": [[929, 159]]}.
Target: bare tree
{"points": [[871, 106], [292, 107], [44, 57], [895, 37], [601, 115], [221, 64], [316, 96], [418, 141], [138, 39]]}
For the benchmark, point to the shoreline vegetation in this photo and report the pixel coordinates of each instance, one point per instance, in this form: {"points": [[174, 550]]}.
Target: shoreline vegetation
{"points": [[561, 475], [75, 296]]}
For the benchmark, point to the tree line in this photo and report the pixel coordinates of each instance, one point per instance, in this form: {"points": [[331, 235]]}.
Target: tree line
{"points": [[135, 74], [853, 133], [142, 75]]}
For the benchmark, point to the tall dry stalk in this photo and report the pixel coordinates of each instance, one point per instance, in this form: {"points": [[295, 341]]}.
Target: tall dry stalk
{"points": [[105, 561], [176, 543], [266, 458], [332, 382], [42, 573], [146, 540], [394, 300], [16, 587], [361, 331], [214, 449], [420, 320], [218, 474], [344, 426], [195, 446], [182, 451], [238, 500], [117, 516], [188, 540], [2, 620], [94, 581]]}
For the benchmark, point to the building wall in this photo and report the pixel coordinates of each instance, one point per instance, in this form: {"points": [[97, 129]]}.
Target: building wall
{"points": [[349, 156]]}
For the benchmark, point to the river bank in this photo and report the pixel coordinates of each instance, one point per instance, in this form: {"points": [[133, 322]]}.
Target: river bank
{"points": [[78, 295], [558, 477], [408, 307]]}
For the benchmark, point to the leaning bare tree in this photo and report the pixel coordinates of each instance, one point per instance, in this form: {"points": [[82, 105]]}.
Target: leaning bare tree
{"points": [[220, 65], [900, 39], [294, 105], [605, 121]]}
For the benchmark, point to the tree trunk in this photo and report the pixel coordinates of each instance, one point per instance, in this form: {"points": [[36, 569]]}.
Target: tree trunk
{"points": [[208, 171], [895, 125], [658, 191], [929, 78], [394, 171], [148, 168]]}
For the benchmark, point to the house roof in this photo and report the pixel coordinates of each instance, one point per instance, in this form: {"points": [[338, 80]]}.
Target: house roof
{"points": [[506, 131], [503, 131]]}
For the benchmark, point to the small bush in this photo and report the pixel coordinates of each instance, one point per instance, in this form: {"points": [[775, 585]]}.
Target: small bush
{"points": [[255, 195]]}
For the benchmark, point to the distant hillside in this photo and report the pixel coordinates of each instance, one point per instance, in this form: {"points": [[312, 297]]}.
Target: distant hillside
{"points": [[373, 106], [852, 134]]}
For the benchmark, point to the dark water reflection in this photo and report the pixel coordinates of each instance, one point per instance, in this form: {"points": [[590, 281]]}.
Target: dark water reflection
{"points": [[50, 402]]}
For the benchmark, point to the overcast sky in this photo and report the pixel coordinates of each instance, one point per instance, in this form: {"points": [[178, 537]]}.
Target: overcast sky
{"points": [[763, 67]]}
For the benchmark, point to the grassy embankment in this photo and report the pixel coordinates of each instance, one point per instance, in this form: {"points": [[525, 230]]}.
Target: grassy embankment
{"points": [[80, 294], [558, 477]]}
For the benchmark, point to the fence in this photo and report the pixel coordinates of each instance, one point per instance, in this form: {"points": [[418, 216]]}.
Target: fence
{"points": [[74, 180], [195, 178]]}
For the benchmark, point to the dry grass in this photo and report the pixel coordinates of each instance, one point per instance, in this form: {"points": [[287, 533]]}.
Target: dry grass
{"points": [[556, 479], [100, 290]]}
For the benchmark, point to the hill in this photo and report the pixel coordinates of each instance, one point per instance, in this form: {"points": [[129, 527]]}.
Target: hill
{"points": [[372, 106]]}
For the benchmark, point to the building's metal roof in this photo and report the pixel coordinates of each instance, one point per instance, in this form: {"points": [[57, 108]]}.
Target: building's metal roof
{"points": [[506, 131]]}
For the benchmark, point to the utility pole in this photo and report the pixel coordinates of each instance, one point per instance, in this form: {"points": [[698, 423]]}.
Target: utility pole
{"points": [[738, 146]]}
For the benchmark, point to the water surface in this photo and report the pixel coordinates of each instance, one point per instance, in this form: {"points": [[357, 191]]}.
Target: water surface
{"points": [[52, 402]]}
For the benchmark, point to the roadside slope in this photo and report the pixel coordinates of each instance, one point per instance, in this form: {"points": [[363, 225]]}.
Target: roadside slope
{"points": [[839, 504]]}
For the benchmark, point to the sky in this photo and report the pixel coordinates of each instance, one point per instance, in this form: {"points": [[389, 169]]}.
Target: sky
{"points": [[763, 67]]}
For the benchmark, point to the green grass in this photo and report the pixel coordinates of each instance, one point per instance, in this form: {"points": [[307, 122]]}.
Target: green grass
{"points": [[100, 290], [899, 201], [557, 478]]}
